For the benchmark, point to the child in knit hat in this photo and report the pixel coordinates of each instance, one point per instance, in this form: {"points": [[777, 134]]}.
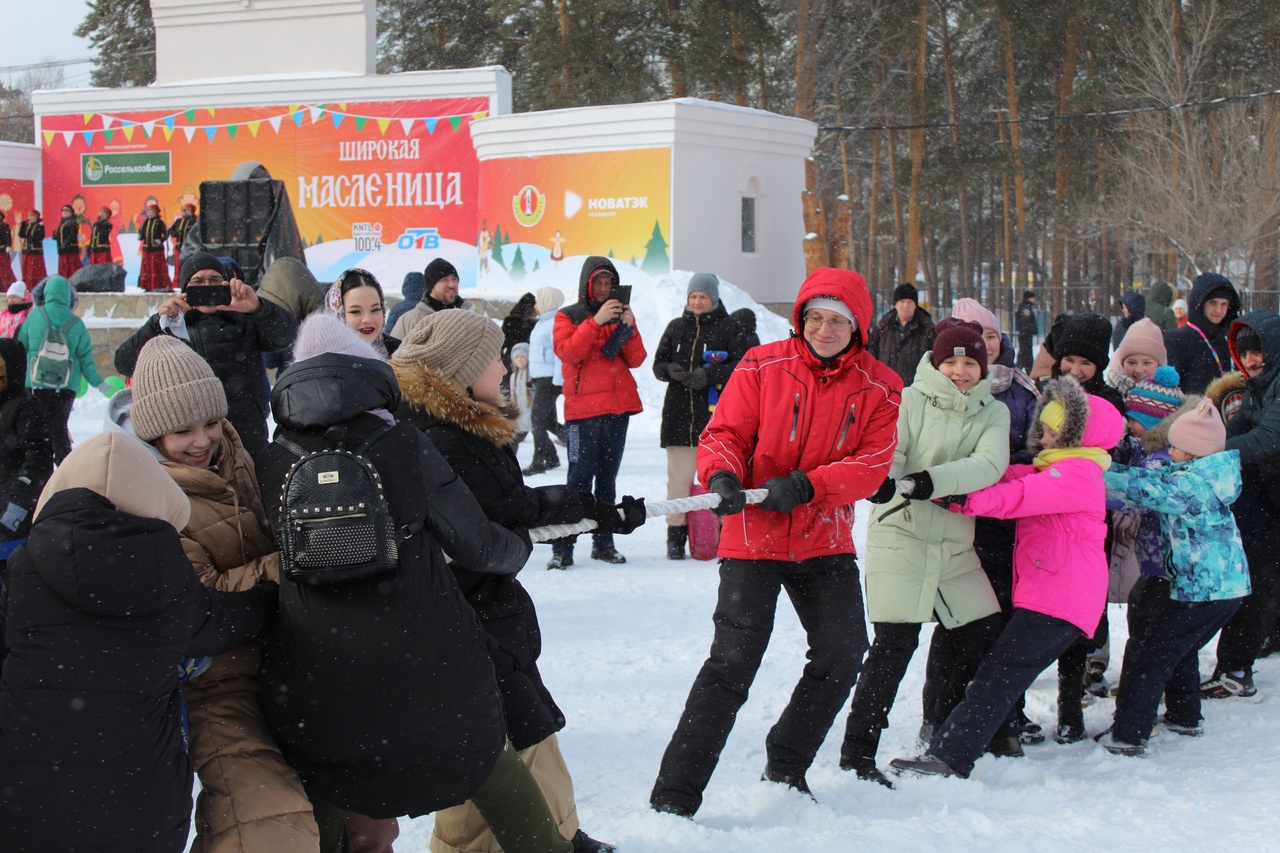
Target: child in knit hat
{"points": [[1151, 400], [1207, 576], [1138, 356], [179, 408], [920, 563]]}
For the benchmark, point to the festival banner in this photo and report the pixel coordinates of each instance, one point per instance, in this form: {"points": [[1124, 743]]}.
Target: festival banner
{"points": [[536, 211], [383, 185]]}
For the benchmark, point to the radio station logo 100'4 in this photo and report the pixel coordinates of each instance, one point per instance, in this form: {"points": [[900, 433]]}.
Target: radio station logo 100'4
{"points": [[528, 205], [366, 236]]}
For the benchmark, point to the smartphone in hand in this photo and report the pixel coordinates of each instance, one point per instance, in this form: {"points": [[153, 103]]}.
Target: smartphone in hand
{"points": [[208, 295], [622, 293]]}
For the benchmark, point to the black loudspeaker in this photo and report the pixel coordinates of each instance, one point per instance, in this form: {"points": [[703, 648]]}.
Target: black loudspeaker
{"points": [[250, 221]]}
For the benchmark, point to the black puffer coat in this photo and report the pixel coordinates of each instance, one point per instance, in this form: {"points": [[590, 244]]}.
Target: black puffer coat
{"points": [[1255, 430], [233, 344], [381, 692], [102, 607], [686, 341], [475, 438], [26, 451], [1199, 349]]}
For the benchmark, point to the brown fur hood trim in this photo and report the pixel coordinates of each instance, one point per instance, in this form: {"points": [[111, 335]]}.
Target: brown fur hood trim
{"points": [[1224, 385], [1157, 438], [443, 399]]}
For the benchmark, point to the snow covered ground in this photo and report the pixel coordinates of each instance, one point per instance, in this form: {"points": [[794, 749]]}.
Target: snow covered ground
{"points": [[621, 645]]}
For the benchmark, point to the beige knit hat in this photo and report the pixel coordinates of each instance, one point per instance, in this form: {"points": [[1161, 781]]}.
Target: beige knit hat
{"points": [[1143, 338], [459, 344], [1199, 432], [173, 388]]}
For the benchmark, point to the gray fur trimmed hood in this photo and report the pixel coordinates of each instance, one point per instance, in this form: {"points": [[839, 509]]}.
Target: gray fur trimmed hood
{"points": [[1075, 404]]}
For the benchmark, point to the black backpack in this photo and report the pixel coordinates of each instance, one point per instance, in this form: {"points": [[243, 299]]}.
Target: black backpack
{"points": [[335, 525]]}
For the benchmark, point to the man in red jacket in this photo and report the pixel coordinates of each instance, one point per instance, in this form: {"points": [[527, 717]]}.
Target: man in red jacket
{"points": [[598, 344], [812, 419]]}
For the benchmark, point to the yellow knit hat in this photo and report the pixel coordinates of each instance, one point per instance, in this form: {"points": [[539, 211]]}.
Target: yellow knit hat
{"points": [[1053, 415]]}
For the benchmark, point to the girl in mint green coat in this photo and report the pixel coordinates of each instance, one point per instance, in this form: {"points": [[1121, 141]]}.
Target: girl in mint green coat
{"points": [[953, 438], [56, 399]]}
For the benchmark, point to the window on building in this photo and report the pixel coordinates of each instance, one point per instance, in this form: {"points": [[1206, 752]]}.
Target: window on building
{"points": [[748, 225]]}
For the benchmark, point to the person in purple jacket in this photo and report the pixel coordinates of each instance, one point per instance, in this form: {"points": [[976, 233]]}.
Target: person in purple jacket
{"points": [[1059, 570]]}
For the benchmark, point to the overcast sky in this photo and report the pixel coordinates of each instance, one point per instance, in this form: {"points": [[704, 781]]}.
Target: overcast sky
{"points": [[41, 30]]}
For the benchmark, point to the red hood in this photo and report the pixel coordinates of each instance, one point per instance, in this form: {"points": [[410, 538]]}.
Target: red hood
{"points": [[847, 286]]}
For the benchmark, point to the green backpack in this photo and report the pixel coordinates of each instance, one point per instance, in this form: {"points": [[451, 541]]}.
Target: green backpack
{"points": [[52, 366]]}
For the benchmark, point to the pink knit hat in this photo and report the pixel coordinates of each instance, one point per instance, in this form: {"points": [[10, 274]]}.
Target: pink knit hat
{"points": [[973, 311], [1199, 432], [1143, 338]]}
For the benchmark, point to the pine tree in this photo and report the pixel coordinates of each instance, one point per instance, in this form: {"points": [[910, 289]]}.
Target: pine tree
{"points": [[517, 266], [498, 243], [656, 260], [536, 266], [124, 35]]}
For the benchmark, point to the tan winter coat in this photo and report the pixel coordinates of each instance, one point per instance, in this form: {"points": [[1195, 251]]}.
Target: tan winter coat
{"points": [[920, 558], [251, 799]]}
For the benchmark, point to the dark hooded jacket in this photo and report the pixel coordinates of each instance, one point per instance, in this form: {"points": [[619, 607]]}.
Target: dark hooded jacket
{"points": [[747, 321], [26, 449], [411, 289], [476, 440], [597, 360], [899, 346], [381, 692], [233, 344], [713, 343], [1160, 306], [1199, 350], [1137, 305], [517, 325], [102, 607], [1255, 430]]}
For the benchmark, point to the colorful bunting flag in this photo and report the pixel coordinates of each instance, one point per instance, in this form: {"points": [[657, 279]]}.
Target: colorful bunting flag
{"points": [[231, 130], [337, 118], [454, 121], [190, 132], [128, 132], [383, 124], [431, 124], [88, 117], [406, 124], [190, 114], [253, 128], [274, 121], [211, 131], [68, 136], [88, 136], [48, 140]]}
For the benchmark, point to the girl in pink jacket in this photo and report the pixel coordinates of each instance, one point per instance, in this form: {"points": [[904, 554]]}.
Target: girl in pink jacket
{"points": [[1059, 567]]}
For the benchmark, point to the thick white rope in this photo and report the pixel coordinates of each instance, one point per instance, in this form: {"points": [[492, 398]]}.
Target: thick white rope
{"points": [[651, 510]]}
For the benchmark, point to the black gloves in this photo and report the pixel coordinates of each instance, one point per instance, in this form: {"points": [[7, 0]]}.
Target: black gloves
{"points": [[885, 493], [697, 379], [786, 493], [918, 487], [677, 373], [729, 488], [633, 514], [951, 503], [625, 517]]}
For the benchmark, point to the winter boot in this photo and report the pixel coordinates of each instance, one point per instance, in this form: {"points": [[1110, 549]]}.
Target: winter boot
{"points": [[791, 780], [583, 843], [1070, 711], [560, 561], [677, 538], [923, 765]]}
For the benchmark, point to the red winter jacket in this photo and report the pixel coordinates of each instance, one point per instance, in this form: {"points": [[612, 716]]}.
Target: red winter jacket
{"points": [[595, 384], [784, 410]]}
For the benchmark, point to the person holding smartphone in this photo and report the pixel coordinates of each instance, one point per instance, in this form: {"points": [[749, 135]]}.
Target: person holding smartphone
{"points": [[224, 321], [598, 344]]}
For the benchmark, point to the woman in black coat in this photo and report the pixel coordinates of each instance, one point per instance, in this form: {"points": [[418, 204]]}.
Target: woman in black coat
{"points": [[445, 371], [26, 448], [381, 692], [103, 606], [518, 325], [698, 351]]}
